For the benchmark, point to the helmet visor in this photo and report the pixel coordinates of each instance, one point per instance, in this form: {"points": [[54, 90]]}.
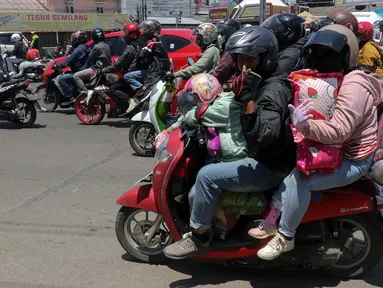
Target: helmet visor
{"points": [[247, 50], [327, 38]]}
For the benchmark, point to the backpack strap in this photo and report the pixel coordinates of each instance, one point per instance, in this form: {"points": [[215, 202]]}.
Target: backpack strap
{"points": [[201, 109]]}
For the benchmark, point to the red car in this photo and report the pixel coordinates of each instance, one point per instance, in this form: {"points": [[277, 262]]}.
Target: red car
{"points": [[177, 42]]}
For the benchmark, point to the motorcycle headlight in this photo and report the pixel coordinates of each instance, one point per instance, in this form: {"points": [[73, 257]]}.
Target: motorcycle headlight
{"points": [[162, 154]]}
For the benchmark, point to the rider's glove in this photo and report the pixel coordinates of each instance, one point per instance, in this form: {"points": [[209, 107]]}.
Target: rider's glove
{"points": [[169, 76], [244, 87], [301, 114]]}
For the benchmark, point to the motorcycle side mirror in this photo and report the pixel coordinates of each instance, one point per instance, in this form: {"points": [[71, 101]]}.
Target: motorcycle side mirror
{"points": [[190, 61], [172, 63]]}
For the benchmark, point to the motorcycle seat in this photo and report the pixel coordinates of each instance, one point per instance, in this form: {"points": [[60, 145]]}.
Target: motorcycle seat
{"points": [[11, 82]]}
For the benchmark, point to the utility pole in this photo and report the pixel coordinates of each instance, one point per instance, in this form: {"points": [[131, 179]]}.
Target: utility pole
{"points": [[262, 11], [146, 9], [143, 10], [138, 14]]}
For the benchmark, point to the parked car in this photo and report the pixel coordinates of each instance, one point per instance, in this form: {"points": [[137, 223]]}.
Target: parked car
{"points": [[177, 42], [5, 41]]}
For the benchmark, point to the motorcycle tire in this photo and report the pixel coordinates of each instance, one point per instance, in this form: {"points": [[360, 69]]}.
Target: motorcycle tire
{"points": [[127, 242], [31, 107], [79, 107], [134, 143], [53, 97], [374, 253]]}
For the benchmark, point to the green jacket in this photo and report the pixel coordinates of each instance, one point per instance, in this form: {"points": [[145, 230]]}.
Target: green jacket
{"points": [[35, 41], [208, 61], [224, 115]]}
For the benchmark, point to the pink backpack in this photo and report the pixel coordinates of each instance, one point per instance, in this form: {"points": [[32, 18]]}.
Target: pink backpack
{"points": [[323, 90]]}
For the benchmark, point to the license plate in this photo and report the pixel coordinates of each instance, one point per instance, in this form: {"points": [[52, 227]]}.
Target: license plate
{"points": [[147, 178], [33, 97]]}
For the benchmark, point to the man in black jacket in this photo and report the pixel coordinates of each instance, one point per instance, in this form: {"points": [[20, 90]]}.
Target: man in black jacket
{"points": [[99, 57]]}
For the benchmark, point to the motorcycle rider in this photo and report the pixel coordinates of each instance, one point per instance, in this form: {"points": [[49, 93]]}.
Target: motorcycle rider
{"points": [[99, 57], [124, 63], [206, 38], [19, 51], [341, 17], [153, 56], [77, 61], [353, 125], [227, 64], [370, 54], [289, 30], [266, 129]]}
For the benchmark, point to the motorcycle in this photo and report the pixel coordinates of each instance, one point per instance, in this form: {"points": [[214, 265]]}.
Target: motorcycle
{"points": [[16, 108], [51, 93], [157, 116], [32, 70], [341, 232]]}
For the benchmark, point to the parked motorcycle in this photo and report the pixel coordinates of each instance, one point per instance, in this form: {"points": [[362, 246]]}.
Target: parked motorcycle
{"points": [[341, 233], [17, 103], [157, 116]]}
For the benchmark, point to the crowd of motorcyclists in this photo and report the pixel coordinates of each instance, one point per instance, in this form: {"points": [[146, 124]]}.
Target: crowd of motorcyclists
{"points": [[244, 93]]}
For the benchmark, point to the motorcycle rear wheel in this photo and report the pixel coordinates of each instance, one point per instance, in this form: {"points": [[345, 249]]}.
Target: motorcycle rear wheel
{"points": [[50, 100], [369, 256], [147, 148], [134, 241]]}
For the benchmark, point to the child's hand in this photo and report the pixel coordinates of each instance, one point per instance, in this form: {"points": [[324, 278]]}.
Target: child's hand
{"points": [[301, 114]]}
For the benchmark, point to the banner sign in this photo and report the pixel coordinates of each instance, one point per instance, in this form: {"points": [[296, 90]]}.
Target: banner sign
{"points": [[46, 22], [217, 14]]}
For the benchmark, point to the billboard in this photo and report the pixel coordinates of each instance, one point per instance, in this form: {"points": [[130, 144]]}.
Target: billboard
{"points": [[49, 22]]}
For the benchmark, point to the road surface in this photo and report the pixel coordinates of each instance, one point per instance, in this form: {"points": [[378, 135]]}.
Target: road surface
{"points": [[59, 183]]}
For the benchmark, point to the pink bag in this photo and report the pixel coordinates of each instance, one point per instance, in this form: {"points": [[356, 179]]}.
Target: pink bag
{"points": [[323, 90]]}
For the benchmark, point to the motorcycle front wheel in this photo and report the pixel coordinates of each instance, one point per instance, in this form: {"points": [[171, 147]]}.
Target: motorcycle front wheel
{"points": [[27, 112], [142, 138], [90, 114], [132, 226]]}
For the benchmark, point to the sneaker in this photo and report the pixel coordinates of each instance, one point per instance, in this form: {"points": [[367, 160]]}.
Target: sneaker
{"points": [[69, 102], [132, 105], [275, 248], [189, 245], [263, 231]]}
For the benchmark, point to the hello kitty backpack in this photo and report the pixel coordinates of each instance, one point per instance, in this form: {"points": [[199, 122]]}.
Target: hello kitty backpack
{"points": [[323, 90]]}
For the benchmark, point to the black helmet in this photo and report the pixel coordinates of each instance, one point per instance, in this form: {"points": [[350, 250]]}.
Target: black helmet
{"points": [[255, 40], [151, 27], [77, 38], [226, 28], [287, 28], [98, 35]]}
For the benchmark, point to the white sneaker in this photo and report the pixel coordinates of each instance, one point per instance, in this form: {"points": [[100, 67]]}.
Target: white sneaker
{"points": [[275, 248], [132, 104]]}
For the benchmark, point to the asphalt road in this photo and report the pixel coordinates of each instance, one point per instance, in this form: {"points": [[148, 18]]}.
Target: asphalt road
{"points": [[59, 183]]}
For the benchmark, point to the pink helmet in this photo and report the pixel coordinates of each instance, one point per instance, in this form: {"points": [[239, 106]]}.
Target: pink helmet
{"points": [[206, 86]]}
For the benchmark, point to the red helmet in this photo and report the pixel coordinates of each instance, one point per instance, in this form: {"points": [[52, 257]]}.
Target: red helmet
{"points": [[344, 18], [132, 31], [365, 31]]}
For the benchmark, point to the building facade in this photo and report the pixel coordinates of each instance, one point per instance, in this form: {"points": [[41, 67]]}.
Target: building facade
{"points": [[81, 6]]}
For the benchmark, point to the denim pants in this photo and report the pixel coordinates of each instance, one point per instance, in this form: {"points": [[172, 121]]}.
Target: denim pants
{"points": [[66, 82], [135, 78], [295, 192], [246, 175]]}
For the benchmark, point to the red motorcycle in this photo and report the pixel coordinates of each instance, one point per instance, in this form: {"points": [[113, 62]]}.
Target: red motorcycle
{"points": [[341, 233]]}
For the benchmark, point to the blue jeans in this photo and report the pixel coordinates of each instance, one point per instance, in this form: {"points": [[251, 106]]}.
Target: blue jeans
{"points": [[246, 175], [135, 78], [295, 192], [66, 83]]}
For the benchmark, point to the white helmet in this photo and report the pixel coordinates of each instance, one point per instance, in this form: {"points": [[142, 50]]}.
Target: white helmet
{"points": [[15, 37]]}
